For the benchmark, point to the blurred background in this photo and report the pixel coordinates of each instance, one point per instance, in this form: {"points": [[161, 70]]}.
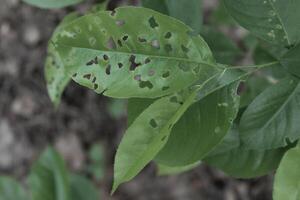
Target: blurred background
{"points": [[86, 128]]}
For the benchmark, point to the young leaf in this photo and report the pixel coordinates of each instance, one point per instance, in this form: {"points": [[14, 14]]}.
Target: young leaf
{"points": [[11, 190], [48, 179], [107, 51], [271, 120], [287, 179], [82, 188], [291, 61], [52, 3], [164, 170], [147, 135], [201, 128], [189, 12], [273, 21], [239, 162]]}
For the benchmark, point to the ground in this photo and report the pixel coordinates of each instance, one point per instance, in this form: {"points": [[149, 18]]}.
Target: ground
{"points": [[29, 122]]}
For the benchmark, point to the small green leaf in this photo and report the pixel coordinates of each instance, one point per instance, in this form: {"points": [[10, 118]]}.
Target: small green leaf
{"points": [[108, 51], [164, 170], [189, 12], [273, 21], [11, 190], [48, 179], [201, 128], [291, 61], [52, 3], [82, 188], [271, 120], [287, 178]]}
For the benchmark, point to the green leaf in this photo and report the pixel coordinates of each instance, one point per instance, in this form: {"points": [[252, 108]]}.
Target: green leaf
{"points": [[109, 53], [82, 188], [271, 120], [224, 49], [164, 170], [291, 61], [201, 128], [48, 179], [11, 190], [52, 3], [239, 162], [286, 184], [189, 12], [135, 107], [147, 135], [273, 21], [55, 74]]}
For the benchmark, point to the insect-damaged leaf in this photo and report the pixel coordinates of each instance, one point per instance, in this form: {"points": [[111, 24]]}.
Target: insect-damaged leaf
{"points": [[134, 52], [52, 3], [276, 21], [272, 119]]}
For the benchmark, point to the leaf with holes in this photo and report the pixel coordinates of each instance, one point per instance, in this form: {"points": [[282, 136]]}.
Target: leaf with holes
{"points": [[275, 21], [48, 178], [287, 178], [272, 119], [52, 3], [201, 128], [239, 162], [189, 12], [109, 53], [147, 134]]}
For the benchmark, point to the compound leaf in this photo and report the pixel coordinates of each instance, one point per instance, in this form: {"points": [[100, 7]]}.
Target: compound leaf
{"points": [[52, 3], [134, 52], [273, 21], [271, 120], [287, 178]]}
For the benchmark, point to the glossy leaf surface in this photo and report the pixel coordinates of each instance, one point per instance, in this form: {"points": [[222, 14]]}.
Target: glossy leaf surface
{"points": [[109, 53]]}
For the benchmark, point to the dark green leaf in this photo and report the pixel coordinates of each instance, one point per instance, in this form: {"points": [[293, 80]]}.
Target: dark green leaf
{"points": [[82, 189], [273, 21], [287, 178], [52, 3], [11, 190], [48, 178], [272, 119], [189, 12], [109, 53], [291, 61]]}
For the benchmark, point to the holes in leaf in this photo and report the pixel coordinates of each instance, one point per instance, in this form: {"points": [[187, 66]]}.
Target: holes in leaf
{"points": [[105, 57], [119, 43], [168, 35], [145, 84], [74, 75], [165, 88], [125, 37], [168, 48], [87, 76], [140, 39], [120, 65], [111, 44], [147, 60], [155, 44], [152, 22], [107, 70], [138, 77], [153, 123], [96, 86], [166, 74], [133, 64], [184, 49], [94, 61], [94, 80], [183, 67], [120, 22], [151, 72]]}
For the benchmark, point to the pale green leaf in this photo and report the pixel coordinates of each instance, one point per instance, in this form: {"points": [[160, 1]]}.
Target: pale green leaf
{"points": [[287, 178], [52, 3], [11, 190], [164, 170], [272, 119], [82, 189], [275, 21], [134, 52], [48, 179]]}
